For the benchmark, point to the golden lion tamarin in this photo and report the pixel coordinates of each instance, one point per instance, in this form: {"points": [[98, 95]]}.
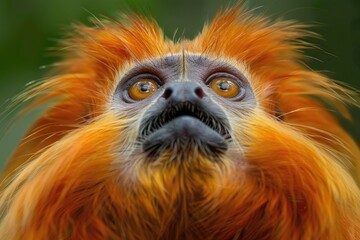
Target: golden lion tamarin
{"points": [[227, 136]]}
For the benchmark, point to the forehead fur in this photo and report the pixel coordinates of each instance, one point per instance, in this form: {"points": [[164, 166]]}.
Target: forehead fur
{"points": [[232, 34]]}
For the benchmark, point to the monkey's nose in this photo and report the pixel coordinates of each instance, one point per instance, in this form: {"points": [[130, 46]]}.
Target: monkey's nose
{"points": [[183, 91]]}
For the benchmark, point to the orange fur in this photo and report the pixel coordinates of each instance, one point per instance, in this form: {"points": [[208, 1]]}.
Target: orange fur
{"points": [[294, 179]]}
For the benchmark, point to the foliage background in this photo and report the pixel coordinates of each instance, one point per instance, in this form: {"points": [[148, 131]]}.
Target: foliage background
{"points": [[28, 28]]}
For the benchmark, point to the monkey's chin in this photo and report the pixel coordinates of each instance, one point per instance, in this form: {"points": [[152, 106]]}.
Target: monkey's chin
{"points": [[184, 134]]}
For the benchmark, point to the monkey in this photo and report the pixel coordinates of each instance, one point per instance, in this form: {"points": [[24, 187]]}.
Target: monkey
{"points": [[225, 136]]}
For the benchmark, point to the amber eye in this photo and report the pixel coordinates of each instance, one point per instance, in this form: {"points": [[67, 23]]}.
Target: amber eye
{"points": [[142, 89], [225, 87]]}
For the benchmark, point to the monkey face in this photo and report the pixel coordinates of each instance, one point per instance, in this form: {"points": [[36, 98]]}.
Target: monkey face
{"points": [[183, 99]]}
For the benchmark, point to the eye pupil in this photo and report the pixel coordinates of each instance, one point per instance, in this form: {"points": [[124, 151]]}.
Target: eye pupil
{"points": [[224, 86], [144, 87]]}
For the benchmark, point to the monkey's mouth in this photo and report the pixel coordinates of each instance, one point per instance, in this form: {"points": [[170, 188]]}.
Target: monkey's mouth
{"points": [[187, 125], [185, 109]]}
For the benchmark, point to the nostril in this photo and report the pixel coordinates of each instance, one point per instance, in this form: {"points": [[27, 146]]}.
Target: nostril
{"points": [[199, 92], [167, 93]]}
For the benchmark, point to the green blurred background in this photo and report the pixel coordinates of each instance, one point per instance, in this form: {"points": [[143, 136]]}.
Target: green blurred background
{"points": [[28, 28]]}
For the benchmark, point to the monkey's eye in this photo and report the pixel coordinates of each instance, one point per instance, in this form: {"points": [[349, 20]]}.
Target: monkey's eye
{"points": [[142, 89], [226, 86]]}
